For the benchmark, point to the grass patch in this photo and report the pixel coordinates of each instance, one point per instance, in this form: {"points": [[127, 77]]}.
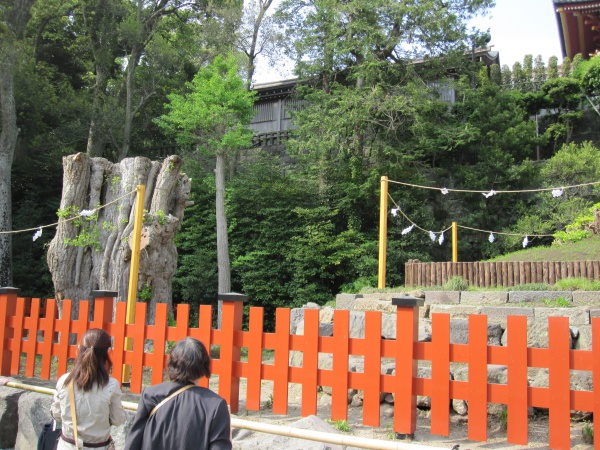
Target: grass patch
{"points": [[585, 250]]}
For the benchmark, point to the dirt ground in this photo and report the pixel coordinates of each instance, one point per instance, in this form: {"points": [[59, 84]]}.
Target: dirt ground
{"points": [[538, 424]]}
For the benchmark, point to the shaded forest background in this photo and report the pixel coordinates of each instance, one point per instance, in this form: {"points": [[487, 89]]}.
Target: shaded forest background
{"points": [[93, 75]]}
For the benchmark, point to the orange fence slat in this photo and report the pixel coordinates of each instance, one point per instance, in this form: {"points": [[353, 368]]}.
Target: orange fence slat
{"points": [[158, 334], [341, 346], [137, 332], [517, 431], [204, 332], [47, 327], [282, 354], [118, 351], [440, 374], [310, 362], [372, 369], [559, 385], [596, 377], [17, 340], [477, 378], [405, 399], [228, 388], [29, 346], [255, 347]]}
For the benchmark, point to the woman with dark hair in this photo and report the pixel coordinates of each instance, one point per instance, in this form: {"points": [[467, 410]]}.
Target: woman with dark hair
{"points": [[180, 414], [96, 399]]}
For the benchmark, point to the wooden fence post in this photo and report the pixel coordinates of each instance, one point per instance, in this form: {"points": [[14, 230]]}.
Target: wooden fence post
{"points": [[231, 323], [8, 303], [407, 333]]}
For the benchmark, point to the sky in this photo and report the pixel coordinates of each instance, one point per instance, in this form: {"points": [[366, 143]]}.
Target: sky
{"points": [[517, 27]]}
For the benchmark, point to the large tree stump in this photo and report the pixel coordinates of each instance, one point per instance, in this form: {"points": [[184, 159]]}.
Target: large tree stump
{"points": [[89, 184]]}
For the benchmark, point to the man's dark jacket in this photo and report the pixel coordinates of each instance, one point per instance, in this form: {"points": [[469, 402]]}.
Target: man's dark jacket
{"points": [[197, 419]]}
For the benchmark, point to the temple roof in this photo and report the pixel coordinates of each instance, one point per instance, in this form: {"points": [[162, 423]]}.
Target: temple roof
{"points": [[578, 26]]}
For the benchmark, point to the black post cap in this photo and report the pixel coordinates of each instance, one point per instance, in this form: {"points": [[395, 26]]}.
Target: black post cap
{"points": [[105, 294], [232, 297], [408, 301], [9, 290]]}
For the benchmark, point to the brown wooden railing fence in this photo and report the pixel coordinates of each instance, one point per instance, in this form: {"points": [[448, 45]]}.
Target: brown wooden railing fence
{"points": [[27, 333], [506, 273]]}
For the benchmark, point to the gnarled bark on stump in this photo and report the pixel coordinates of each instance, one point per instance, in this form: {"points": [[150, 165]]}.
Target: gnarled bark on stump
{"points": [[90, 183]]}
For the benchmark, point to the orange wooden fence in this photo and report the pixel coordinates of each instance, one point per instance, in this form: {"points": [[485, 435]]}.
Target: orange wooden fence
{"points": [[505, 273], [27, 332]]}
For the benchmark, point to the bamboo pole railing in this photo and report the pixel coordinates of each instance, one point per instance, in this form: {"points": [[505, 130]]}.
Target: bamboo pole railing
{"points": [[287, 431]]}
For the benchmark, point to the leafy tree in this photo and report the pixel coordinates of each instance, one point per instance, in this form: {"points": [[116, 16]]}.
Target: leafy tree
{"points": [[212, 116], [14, 16], [573, 164], [258, 36]]}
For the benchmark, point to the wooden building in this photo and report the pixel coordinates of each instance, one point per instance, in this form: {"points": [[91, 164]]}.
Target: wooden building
{"points": [[578, 27]]}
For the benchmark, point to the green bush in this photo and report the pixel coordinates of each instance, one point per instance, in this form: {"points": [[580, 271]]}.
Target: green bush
{"points": [[456, 283], [531, 287], [577, 284]]}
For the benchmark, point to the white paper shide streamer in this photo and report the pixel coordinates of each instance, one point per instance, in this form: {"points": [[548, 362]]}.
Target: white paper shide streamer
{"points": [[492, 238], [87, 212], [432, 236], [525, 241], [557, 192], [407, 230], [441, 239], [489, 194], [37, 234], [444, 191]]}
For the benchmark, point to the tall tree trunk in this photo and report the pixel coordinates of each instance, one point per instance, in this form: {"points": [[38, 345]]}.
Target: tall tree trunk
{"points": [[105, 265], [8, 140], [224, 267], [95, 143], [129, 110]]}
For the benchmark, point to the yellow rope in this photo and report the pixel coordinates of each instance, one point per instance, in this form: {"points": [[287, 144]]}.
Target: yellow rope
{"points": [[67, 220], [465, 227], [495, 191]]}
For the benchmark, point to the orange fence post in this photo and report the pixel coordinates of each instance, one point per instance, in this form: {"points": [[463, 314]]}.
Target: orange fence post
{"points": [[372, 367], [255, 347], [282, 361], [440, 374], [559, 384], [407, 333], [231, 323], [8, 303], [478, 396], [310, 362], [517, 430], [596, 376], [103, 310], [341, 347]]}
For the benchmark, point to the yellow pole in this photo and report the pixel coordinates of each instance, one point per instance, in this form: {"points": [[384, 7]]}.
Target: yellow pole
{"points": [[383, 212], [454, 242], [134, 269]]}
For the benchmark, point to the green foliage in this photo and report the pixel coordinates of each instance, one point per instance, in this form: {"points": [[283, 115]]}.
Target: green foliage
{"points": [[213, 114], [560, 302], [587, 433], [531, 287], [87, 228], [145, 294], [579, 229], [577, 284], [340, 425], [456, 283], [504, 418], [588, 72]]}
